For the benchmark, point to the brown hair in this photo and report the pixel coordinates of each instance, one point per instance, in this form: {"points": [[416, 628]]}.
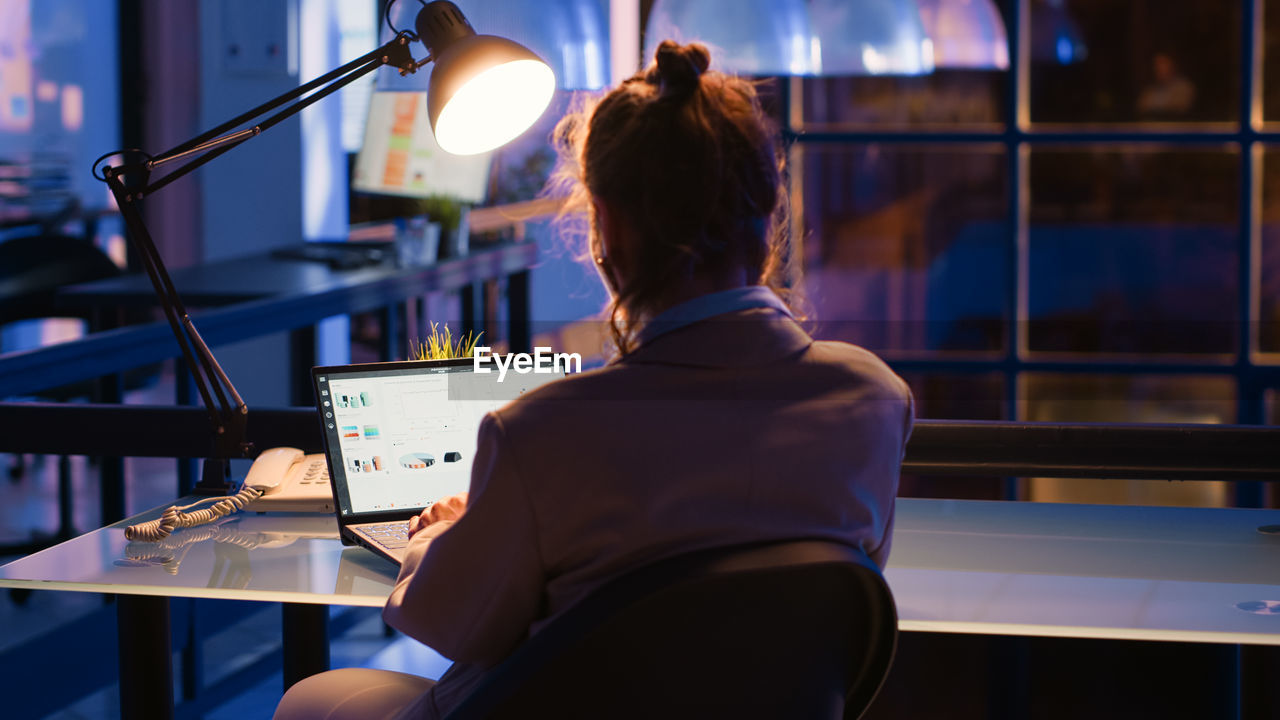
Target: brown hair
{"points": [[690, 161]]}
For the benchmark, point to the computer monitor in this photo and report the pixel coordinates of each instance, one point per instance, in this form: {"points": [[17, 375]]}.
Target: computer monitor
{"points": [[400, 156]]}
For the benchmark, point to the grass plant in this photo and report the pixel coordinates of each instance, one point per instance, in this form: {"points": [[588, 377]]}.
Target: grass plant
{"points": [[442, 345]]}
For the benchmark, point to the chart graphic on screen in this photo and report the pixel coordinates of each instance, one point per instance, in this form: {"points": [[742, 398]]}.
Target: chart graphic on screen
{"points": [[417, 461], [368, 464], [354, 400]]}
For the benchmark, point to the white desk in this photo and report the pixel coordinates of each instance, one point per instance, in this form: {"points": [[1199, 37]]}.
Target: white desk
{"points": [[281, 557], [956, 566], [1086, 571]]}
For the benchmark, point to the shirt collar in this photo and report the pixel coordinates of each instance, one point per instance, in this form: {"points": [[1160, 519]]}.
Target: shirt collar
{"points": [[710, 305]]}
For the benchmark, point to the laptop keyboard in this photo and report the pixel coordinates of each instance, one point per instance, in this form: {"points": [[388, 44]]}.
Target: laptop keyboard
{"points": [[392, 535]]}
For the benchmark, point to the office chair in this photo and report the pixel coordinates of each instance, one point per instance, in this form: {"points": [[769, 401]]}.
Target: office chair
{"points": [[797, 629]]}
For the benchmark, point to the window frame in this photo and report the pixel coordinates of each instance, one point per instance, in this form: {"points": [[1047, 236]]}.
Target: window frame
{"points": [[1254, 373]]}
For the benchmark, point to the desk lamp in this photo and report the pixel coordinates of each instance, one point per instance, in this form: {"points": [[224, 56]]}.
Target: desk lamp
{"points": [[484, 91]]}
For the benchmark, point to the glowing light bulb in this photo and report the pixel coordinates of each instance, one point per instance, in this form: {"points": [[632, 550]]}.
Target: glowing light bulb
{"points": [[495, 106]]}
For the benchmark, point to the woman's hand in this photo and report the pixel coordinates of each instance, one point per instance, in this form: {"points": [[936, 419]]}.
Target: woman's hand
{"points": [[450, 508]]}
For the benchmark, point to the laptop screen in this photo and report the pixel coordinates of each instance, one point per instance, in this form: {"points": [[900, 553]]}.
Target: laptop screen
{"points": [[402, 435]]}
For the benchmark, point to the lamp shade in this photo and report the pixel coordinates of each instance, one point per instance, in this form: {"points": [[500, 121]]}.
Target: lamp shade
{"points": [[751, 37], [571, 36], [966, 34], [486, 90], [871, 37]]}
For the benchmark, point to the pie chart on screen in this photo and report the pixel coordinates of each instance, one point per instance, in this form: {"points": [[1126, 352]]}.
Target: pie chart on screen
{"points": [[417, 461]]}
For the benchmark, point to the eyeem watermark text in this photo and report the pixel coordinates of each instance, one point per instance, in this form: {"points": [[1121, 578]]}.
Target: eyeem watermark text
{"points": [[542, 361]]}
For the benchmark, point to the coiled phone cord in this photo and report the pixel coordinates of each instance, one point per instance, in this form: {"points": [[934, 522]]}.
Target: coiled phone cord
{"points": [[181, 517]]}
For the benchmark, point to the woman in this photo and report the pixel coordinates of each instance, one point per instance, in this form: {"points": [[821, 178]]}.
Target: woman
{"points": [[720, 423]]}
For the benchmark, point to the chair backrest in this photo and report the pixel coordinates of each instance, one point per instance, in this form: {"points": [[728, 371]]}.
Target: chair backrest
{"points": [[32, 268], [797, 629]]}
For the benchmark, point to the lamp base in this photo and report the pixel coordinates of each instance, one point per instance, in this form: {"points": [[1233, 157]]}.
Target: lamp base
{"points": [[215, 478]]}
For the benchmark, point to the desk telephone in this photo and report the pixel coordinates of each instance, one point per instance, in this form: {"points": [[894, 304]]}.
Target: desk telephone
{"points": [[280, 480], [291, 481]]}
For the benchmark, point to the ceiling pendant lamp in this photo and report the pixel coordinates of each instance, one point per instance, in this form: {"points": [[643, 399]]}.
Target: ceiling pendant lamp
{"points": [[747, 37], [871, 37], [966, 34]]}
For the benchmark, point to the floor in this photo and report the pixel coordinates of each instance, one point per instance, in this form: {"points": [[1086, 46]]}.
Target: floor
{"points": [[28, 510]]}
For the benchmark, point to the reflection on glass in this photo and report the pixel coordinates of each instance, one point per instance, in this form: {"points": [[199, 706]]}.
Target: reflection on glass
{"points": [[1206, 399], [955, 99], [1100, 61], [231, 541], [1126, 256], [1269, 272], [170, 551], [905, 248]]}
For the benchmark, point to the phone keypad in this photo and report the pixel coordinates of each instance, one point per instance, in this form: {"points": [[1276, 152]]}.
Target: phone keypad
{"points": [[317, 473]]}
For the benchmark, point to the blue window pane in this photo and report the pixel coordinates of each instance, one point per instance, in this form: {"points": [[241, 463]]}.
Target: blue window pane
{"points": [[1128, 257], [906, 249]]}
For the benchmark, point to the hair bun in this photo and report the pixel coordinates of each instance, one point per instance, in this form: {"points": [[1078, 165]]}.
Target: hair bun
{"points": [[680, 66]]}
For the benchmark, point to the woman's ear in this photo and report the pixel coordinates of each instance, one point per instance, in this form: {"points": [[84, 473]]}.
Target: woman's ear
{"points": [[605, 238], [604, 243]]}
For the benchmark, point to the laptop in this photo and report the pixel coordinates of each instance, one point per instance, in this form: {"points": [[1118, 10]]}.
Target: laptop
{"points": [[401, 435]]}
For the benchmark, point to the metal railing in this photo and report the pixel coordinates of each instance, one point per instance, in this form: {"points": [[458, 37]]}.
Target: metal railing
{"points": [[937, 447]]}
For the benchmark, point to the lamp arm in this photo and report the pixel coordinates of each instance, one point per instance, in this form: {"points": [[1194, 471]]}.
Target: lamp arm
{"points": [[206, 374], [391, 58], [220, 139], [221, 145], [129, 182]]}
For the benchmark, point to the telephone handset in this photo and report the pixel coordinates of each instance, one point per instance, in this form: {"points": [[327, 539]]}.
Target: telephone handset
{"points": [[290, 481]]}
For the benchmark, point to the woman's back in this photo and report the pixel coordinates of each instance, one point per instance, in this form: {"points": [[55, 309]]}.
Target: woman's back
{"points": [[733, 430]]}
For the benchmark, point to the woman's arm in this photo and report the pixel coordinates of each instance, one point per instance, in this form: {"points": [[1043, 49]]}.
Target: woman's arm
{"points": [[472, 592], [881, 554]]}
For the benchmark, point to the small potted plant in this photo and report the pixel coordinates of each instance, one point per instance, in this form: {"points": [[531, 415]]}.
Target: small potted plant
{"points": [[452, 216]]}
